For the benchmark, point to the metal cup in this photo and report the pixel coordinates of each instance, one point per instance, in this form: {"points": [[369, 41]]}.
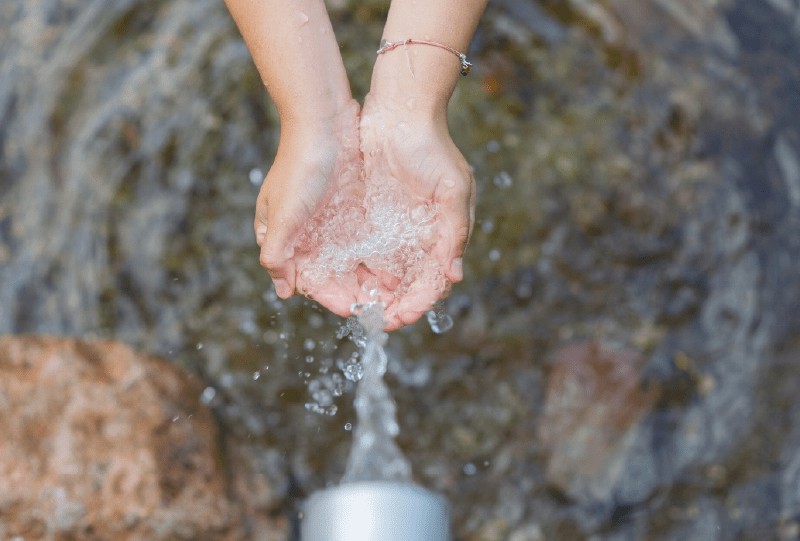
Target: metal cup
{"points": [[375, 511]]}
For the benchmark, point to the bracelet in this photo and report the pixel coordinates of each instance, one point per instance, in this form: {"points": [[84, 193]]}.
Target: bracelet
{"points": [[387, 46]]}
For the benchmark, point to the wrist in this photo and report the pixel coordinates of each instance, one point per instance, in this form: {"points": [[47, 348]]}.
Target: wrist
{"points": [[309, 126], [416, 79]]}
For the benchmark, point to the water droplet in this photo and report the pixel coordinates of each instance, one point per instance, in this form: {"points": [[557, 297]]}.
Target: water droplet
{"points": [[282, 336], [440, 322], [256, 375], [313, 407], [354, 371], [348, 426], [494, 254], [524, 290], [256, 176], [309, 344], [470, 469], [503, 180], [301, 17], [199, 346], [309, 359], [209, 393], [487, 226], [493, 146], [176, 418]]}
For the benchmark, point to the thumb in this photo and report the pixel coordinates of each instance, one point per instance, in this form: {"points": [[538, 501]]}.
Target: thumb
{"points": [[275, 234]]}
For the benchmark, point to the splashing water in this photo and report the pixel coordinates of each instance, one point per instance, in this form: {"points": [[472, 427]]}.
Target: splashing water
{"points": [[375, 455], [384, 230]]}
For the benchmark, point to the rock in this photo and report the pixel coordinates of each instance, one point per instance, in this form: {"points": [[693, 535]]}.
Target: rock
{"points": [[100, 442], [592, 425]]}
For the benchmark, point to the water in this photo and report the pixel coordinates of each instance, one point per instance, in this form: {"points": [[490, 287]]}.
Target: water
{"points": [[375, 456], [654, 156]]}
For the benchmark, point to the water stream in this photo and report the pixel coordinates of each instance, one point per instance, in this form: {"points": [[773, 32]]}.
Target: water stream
{"points": [[375, 456]]}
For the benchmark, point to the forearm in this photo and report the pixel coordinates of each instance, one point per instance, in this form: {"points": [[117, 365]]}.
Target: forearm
{"points": [[418, 76], [295, 51]]}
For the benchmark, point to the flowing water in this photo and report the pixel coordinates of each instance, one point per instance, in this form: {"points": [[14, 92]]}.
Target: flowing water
{"points": [[638, 168], [375, 455]]}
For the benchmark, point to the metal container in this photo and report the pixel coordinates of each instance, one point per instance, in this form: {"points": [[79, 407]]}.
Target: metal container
{"points": [[375, 511]]}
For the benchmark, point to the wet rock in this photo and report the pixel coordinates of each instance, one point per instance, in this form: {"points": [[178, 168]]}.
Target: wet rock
{"points": [[593, 422], [100, 442]]}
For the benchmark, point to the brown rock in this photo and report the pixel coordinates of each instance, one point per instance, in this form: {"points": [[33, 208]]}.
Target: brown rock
{"points": [[594, 405], [99, 442]]}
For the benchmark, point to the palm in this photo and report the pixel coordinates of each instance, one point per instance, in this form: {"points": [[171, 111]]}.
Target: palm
{"points": [[307, 173], [425, 165]]}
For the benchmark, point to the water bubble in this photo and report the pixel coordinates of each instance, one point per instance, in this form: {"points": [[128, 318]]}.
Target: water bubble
{"points": [[315, 321], [494, 255], [342, 331], [348, 426], [309, 359], [337, 384], [199, 346], [256, 176], [227, 380], [256, 375], [209, 393], [354, 371], [282, 336], [320, 393], [313, 407], [487, 226], [493, 146], [440, 322], [309, 344], [470, 469], [503, 180]]}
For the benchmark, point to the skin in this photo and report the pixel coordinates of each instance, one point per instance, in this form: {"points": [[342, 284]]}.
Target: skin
{"points": [[401, 133]]}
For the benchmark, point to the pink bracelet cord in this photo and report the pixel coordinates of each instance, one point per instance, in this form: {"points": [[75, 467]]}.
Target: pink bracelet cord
{"points": [[387, 46]]}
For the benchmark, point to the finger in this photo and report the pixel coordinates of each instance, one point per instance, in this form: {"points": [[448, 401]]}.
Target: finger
{"points": [[339, 299], [456, 201], [283, 275], [413, 305]]}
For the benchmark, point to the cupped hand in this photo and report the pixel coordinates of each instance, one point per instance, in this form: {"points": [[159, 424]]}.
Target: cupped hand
{"points": [[316, 161], [415, 153]]}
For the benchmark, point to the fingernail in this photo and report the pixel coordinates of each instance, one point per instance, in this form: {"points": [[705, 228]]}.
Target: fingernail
{"points": [[457, 269], [261, 232], [282, 288]]}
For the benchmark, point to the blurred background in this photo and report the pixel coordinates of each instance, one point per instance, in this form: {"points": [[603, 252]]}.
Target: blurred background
{"points": [[623, 361]]}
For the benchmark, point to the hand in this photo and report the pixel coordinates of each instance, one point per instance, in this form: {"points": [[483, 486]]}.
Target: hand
{"points": [[414, 152], [316, 160]]}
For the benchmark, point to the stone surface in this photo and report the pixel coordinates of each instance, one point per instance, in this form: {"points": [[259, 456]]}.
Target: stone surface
{"points": [[100, 442], [593, 414]]}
